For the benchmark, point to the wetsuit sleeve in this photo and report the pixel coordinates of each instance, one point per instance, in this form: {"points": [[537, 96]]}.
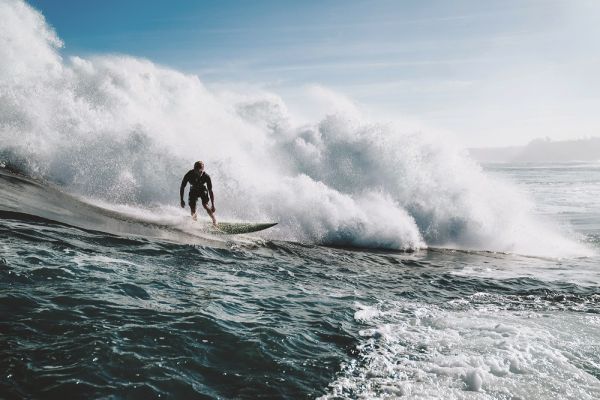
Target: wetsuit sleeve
{"points": [[184, 182], [209, 187]]}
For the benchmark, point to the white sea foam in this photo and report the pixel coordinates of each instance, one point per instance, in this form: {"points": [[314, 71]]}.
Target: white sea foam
{"points": [[125, 130], [479, 351]]}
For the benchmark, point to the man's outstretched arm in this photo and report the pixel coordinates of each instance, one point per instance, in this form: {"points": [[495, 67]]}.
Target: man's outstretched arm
{"points": [[182, 190], [210, 194]]}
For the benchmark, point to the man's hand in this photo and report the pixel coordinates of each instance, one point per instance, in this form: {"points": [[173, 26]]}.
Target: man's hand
{"points": [[182, 204], [212, 209]]}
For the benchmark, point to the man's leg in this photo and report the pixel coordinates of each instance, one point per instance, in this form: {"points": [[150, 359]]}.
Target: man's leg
{"points": [[210, 213], [192, 201]]}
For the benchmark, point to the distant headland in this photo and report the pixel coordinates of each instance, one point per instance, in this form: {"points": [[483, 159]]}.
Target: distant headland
{"points": [[540, 151]]}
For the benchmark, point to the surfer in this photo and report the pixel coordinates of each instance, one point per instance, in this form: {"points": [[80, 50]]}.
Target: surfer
{"points": [[200, 186]]}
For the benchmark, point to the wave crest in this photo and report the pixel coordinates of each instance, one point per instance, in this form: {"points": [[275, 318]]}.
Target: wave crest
{"points": [[125, 130]]}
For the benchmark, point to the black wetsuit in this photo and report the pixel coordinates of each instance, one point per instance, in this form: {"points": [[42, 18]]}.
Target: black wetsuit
{"points": [[200, 185]]}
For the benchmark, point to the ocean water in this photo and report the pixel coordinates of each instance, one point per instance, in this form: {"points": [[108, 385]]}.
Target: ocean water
{"points": [[399, 266], [87, 313]]}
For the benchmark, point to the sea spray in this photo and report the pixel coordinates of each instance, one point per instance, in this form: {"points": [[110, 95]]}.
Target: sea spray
{"points": [[125, 130]]}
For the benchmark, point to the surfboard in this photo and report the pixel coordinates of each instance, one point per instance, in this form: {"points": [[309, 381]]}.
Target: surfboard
{"points": [[235, 228]]}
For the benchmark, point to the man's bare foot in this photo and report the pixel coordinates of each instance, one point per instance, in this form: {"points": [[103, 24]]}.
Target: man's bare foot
{"points": [[195, 217]]}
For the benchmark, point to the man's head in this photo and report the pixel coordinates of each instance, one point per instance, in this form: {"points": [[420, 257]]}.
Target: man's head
{"points": [[199, 166]]}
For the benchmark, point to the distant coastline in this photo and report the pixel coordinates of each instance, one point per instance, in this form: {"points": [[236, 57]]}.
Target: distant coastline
{"points": [[540, 151]]}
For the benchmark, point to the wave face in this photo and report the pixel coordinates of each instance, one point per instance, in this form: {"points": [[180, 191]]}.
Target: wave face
{"points": [[125, 130], [26, 199]]}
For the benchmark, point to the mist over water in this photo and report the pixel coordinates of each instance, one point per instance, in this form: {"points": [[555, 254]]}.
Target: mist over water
{"points": [[125, 130]]}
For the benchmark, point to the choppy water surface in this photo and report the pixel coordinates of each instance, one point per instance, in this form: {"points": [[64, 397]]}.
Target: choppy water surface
{"points": [[89, 314], [567, 192]]}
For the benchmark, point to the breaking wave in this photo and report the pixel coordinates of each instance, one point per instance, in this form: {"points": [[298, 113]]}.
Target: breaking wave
{"points": [[125, 130]]}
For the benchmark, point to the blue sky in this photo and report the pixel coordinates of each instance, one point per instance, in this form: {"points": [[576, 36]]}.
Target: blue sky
{"points": [[491, 72]]}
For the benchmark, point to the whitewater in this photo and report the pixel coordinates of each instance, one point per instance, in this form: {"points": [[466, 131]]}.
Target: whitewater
{"points": [[399, 266]]}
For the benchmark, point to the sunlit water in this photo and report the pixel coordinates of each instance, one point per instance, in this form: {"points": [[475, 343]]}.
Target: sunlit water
{"points": [[86, 314]]}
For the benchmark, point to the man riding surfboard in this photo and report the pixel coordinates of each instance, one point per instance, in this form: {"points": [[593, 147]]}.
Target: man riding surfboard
{"points": [[200, 186]]}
